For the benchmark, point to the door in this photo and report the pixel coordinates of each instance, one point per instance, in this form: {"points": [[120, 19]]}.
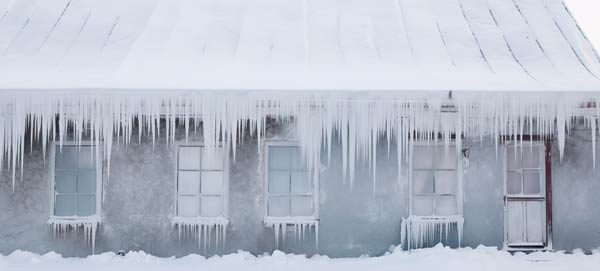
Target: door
{"points": [[525, 201]]}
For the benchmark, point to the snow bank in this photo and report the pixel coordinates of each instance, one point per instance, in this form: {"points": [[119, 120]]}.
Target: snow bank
{"points": [[437, 258]]}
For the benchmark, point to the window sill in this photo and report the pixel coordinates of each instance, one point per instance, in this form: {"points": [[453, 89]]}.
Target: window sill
{"points": [[452, 218], [291, 220], [74, 220], [295, 221], [197, 221]]}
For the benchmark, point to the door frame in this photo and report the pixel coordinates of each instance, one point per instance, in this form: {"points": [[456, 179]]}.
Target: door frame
{"points": [[547, 145]]}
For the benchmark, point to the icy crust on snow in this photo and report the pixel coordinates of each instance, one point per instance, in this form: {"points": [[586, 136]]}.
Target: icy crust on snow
{"points": [[419, 232], [201, 229], [301, 227], [62, 227], [359, 121]]}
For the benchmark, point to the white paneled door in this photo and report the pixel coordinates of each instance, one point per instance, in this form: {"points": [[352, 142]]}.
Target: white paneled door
{"points": [[525, 196]]}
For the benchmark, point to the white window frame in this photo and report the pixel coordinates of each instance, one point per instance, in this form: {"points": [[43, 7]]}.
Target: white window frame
{"points": [[223, 219], [542, 169], [541, 196], [97, 217], [459, 184], [269, 220]]}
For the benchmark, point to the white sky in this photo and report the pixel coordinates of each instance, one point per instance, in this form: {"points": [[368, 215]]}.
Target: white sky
{"points": [[587, 13]]}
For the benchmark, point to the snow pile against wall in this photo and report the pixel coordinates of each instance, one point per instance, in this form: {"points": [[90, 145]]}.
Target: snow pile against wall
{"points": [[360, 121], [438, 258]]}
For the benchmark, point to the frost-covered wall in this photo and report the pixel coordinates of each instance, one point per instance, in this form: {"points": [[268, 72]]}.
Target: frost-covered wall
{"points": [[575, 185], [138, 202]]}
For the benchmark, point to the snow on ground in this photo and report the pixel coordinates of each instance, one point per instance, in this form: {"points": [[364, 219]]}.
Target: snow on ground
{"points": [[437, 258]]}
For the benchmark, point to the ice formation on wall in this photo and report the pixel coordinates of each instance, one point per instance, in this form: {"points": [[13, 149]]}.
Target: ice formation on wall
{"points": [[201, 230], [301, 227], [418, 232], [63, 227], [359, 121]]}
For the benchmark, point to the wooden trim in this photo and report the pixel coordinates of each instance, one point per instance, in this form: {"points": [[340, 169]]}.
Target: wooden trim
{"points": [[548, 160]]}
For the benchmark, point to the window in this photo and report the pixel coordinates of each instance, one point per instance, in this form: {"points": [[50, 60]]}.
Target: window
{"points": [[524, 175], [435, 195], [435, 182], [77, 185], [290, 192], [201, 182]]}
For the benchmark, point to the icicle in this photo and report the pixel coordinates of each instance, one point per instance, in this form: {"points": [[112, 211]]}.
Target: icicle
{"points": [[300, 227], [359, 120], [202, 230], [418, 232], [59, 227], [593, 128]]}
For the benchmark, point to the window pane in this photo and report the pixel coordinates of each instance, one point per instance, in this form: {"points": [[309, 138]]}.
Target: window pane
{"points": [[446, 205], [211, 206], [445, 182], [513, 158], [212, 183], [445, 159], [422, 182], [65, 205], [297, 162], [188, 182], [279, 157], [301, 183], [531, 183], [513, 185], [65, 181], [86, 158], [279, 206], [302, 206], [422, 157], [86, 181], [189, 158], [423, 205], [212, 160], [279, 182], [531, 157], [188, 206], [66, 158], [86, 205]]}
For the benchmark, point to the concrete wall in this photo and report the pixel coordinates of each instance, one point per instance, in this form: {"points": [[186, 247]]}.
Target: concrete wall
{"points": [[138, 203]]}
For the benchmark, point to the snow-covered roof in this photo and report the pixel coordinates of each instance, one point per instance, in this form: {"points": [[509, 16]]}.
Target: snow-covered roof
{"points": [[295, 45]]}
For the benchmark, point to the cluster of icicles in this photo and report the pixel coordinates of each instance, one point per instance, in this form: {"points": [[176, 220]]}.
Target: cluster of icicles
{"points": [[64, 227], [302, 229], [202, 231], [418, 232], [359, 121]]}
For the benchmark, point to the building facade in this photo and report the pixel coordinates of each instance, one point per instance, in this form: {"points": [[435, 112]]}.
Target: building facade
{"points": [[330, 127]]}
